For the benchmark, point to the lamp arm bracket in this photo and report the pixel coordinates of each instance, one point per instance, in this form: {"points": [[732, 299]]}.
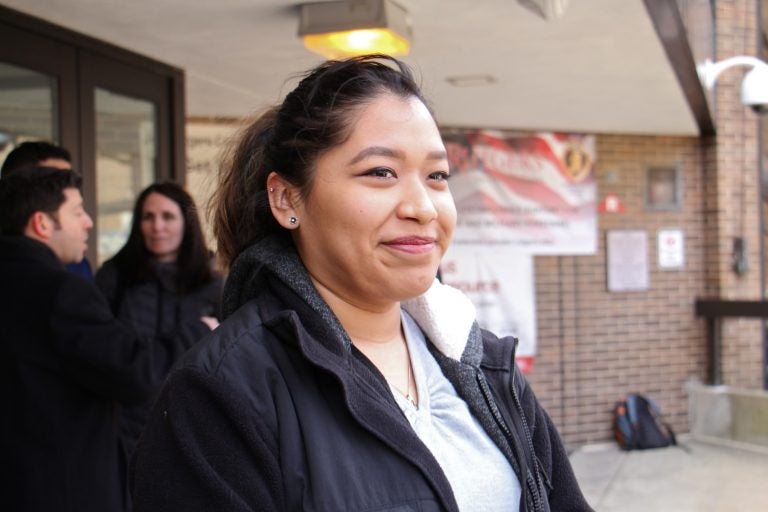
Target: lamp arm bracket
{"points": [[709, 71]]}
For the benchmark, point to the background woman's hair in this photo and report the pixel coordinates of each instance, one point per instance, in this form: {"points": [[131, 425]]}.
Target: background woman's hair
{"points": [[288, 139], [194, 259]]}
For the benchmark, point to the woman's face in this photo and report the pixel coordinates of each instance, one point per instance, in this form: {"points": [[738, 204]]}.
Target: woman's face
{"points": [[162, 226], [379, 216]]}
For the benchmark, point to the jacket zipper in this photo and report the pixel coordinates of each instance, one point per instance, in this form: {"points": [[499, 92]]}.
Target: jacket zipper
{"points": [[514, 441], [527, 432]]}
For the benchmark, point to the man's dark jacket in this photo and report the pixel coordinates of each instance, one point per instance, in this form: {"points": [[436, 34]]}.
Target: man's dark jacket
{"points": [[277, 411], [65, 364]]}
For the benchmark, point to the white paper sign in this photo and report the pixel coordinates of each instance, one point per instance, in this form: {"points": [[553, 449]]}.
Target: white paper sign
{"points": [[671, 248], [627, 260]]}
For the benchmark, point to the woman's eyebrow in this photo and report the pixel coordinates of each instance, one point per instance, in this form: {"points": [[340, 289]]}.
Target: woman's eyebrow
{"points": [[377, 151], [393, 153], [438, 155]]}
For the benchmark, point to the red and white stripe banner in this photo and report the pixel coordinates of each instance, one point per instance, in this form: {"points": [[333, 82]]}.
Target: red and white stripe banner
{"points": [[534, 192]]}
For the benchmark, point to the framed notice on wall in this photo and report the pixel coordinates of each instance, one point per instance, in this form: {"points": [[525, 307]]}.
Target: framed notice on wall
{"points": [[627, 260], [662, 188]]}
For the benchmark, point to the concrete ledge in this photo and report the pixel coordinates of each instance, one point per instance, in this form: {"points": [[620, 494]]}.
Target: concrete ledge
{"points": [[729, 443], [727, 413]]}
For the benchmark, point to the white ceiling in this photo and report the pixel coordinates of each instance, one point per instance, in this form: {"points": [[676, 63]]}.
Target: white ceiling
{"points": [[600, 68]]}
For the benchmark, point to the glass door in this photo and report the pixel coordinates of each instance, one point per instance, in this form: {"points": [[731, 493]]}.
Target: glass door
{"points": [[37, 91], [28, 107], [119, 114], [126, 163], [126, 137]]}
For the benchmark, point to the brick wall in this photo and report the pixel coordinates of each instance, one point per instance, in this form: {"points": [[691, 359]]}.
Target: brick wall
{"points": [[595, 345], [735, 201]]}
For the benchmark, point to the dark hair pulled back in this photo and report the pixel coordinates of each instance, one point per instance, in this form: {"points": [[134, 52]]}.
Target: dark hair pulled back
{"points": [[288, 139]]}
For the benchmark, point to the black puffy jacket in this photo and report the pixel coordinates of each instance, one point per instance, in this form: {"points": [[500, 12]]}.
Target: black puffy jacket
{"points": [[276, 410], [156, 310]]}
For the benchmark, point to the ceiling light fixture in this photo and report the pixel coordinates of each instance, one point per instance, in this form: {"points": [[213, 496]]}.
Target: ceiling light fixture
{"points": [[346, 28]]}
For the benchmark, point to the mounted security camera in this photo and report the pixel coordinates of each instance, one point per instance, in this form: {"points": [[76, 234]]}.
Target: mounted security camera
{"points": [[754, 87]]}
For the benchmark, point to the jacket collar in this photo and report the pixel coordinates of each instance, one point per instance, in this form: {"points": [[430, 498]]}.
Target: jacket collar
{"points": [[446, 316], [25, 248]]}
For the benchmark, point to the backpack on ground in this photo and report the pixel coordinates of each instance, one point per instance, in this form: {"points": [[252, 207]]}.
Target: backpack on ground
{"points": [[637, 424]]}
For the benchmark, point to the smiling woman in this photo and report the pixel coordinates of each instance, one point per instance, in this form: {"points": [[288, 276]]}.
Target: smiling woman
{"points": [[345, 376]]}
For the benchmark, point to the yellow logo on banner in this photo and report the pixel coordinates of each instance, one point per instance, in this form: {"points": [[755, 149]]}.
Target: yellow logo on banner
{"points": [[577, 163]]}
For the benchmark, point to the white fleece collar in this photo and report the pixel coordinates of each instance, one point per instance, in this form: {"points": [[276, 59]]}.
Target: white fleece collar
{"points": [[445, 315]]}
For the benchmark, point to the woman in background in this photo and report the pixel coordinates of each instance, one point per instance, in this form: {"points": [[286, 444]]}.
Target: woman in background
{"points": [[161, 283]]}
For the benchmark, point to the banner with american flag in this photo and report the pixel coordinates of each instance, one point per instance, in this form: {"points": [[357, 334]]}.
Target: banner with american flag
{"points": [[534, 192], [517, 195]]}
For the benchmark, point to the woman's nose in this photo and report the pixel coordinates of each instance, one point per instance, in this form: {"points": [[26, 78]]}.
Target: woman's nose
{"points": [[154, 225], [417, 203]]}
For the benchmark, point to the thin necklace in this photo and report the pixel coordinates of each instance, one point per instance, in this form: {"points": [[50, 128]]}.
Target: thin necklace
{"points": [[407, 393], [408, 383]]}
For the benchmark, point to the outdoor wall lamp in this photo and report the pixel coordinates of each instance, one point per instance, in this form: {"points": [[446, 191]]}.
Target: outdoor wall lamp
{"points": [[754, 87], [345, 28]]}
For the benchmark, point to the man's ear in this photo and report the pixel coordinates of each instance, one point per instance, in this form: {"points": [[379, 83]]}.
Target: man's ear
{"points": [[40, 226], [283, 200]]}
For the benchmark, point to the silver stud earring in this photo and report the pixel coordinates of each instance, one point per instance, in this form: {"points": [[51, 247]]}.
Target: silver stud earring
{"points": [[271, 189], [293, 220]]}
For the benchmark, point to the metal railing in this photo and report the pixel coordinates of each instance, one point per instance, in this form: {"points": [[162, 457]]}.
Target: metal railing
{"points": [[714, 310]]}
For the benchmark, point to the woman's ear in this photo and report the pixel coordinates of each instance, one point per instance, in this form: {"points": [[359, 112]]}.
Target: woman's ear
{"points": [[283, 199]]}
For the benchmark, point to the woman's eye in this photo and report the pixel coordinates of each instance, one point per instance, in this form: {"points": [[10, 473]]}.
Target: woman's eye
{"points": [[440, 176], [381, 172]]}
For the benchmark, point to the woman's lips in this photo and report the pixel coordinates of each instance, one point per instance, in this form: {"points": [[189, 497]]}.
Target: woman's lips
{"points": [[412, 244]]}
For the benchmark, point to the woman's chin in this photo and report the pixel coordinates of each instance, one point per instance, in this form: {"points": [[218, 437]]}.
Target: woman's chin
{"points": [[413, 286]]}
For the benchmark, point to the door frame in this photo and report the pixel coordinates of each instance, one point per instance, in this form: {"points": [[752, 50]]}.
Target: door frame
{"points": [[81, 63]]}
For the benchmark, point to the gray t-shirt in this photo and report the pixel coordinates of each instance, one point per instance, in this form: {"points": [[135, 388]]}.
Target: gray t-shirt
{"points": [[481, 477]]}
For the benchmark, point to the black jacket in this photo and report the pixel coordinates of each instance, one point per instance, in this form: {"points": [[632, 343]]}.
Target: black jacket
{"points": [[277, 410], [157, 309], [65, 364]]}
